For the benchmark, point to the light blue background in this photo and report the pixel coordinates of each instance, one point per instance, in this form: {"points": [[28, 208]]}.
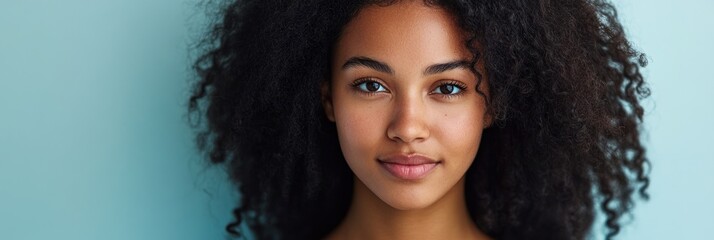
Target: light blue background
{"points": [[94, 143]]}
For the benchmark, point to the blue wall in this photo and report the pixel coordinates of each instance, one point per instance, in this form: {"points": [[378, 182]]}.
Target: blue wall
{"points": [[94, 145], [677, 38], [93, 142]]}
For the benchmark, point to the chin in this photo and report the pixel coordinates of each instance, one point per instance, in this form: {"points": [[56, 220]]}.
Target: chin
{"points": [[406, 200]]}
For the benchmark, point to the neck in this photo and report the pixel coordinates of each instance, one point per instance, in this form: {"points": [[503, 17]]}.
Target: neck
{"points": [[371, 218]]}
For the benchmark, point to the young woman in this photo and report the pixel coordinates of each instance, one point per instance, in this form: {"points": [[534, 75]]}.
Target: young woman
{"points": [[424, 119]]}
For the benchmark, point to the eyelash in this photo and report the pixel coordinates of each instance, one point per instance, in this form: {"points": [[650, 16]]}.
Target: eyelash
{"points": [[460, 86], [356, 85]]}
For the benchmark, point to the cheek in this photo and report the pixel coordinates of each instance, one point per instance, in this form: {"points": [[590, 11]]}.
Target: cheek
{"points": [[459, 133], [360, 129]]}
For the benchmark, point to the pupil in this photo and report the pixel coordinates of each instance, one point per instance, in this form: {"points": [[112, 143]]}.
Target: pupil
{"points": [[372, 86], [447, 89]]}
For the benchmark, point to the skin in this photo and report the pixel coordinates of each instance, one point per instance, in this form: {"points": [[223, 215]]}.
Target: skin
{"points": [[405, 110]]}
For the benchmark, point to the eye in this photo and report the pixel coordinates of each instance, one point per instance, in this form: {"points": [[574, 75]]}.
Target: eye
{"points": [[449, 89], [370, 86]]}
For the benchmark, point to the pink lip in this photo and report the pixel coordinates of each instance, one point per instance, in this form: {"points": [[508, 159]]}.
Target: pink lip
{"points": [[408, 167]]}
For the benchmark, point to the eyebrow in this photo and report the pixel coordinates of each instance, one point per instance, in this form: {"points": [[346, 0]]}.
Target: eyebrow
{"points": [[383, 67], [443, 67], [367, 62]]}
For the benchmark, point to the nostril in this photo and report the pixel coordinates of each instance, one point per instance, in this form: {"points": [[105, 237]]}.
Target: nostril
{"points": [[408, 123], [408, 131]]}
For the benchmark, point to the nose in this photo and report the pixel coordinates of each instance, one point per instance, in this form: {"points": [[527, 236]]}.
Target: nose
{"points": [[408, 123]]}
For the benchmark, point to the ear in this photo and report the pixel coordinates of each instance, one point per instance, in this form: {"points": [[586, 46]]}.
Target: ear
{"points": [[326, 97], [487, 121]]}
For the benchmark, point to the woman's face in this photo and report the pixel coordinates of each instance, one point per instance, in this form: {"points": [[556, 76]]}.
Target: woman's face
{"points": [[408, 117]]}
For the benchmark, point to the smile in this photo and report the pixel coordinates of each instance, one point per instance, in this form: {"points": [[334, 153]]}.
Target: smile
{"points": [[408, 171]]}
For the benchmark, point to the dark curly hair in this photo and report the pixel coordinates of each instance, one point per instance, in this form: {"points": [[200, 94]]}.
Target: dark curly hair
{"points": [[564, 89]]}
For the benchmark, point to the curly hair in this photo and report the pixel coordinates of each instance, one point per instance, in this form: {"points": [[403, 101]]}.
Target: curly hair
{"points": [[564, 89]]}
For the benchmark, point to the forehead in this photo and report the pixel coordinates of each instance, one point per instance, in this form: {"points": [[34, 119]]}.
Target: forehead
{"points": [[407, 32]]}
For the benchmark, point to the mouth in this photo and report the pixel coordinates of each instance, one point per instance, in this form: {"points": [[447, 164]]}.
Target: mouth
{"points": [[408, 167]]}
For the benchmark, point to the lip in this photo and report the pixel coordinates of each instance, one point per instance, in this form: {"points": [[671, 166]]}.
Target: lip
{"points": [[408, 167]]}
